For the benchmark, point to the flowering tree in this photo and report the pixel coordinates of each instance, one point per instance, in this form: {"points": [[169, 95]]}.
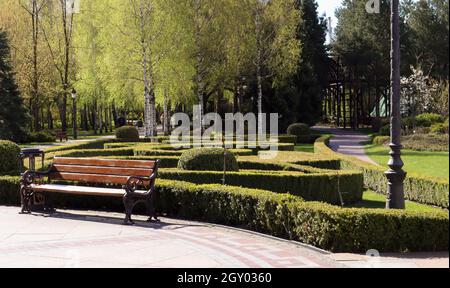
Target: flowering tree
{"points": [[418, 92]]}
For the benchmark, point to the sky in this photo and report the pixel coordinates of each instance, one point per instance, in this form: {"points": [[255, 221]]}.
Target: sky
{"points": [[328, 7]]}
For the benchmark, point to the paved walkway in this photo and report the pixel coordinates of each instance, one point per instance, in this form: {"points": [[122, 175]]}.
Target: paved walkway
{"points": [[97, 239], [348, 142]]}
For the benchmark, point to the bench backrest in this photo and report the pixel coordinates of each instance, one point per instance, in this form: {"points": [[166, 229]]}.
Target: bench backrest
{"points": [[92, 170]]}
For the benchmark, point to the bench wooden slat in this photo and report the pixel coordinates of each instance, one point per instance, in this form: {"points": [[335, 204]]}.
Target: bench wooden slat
{"points": [[105, 162], [89, 178], [114, 171], [80, 190]]}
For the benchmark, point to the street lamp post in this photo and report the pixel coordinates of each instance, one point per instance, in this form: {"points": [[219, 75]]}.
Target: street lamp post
{"points": [[395, 175], [74, 114], [259, 61]]}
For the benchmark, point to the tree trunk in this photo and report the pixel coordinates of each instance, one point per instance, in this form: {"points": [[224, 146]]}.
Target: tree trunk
{"points": [[166, 120]]}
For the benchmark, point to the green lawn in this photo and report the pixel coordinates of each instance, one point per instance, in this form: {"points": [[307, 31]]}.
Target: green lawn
{"points": [[435, 164], [308, 148], [378, 201]]}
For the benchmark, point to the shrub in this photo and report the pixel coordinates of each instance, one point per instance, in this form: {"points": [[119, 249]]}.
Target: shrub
{"points": [[301, 130], [41, 137], [426, 142], [9, 158], [439, 128], [322, 225], [92, 153], [428, 119], [294, 158], [385, 130], [381, 140], [128, 133], [292, 139], [426, 190], [408, 124], [312, 187], [208, 159]]}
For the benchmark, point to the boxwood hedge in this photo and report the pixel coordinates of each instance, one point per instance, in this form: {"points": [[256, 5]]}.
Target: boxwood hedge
{"points": [[282, 215], [311, 187], [426, 190]]}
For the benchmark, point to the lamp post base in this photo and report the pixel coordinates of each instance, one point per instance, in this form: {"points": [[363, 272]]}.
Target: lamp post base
{"points": [[395, 193]]}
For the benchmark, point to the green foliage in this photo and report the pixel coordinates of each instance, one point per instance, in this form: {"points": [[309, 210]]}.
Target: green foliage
{"points": [[312, 71], [281, 215], [13, 116], [299, 129], [84, 153], [381, 140], [9, 158], [420, 189], [428, 119], [426, 142], [208, 159], [127, 133], [439, 128], [385, 130], [311, 187], [40, 137], [302, 131]]}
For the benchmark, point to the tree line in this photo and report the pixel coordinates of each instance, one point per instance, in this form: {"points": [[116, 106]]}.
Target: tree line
{"points": [[146, 57]]}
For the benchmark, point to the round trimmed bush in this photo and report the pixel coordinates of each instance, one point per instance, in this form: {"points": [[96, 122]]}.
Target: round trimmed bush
{"points": [[9, 158], [428, 119], [127, 133], [299, 129], [207, 159]]}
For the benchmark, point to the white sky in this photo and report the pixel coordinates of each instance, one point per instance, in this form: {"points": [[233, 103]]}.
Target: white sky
{"points": [[328, 7]]}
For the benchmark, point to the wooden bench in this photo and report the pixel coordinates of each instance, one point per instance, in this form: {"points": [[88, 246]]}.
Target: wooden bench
{"points": [[136, 177], [61, 135]]}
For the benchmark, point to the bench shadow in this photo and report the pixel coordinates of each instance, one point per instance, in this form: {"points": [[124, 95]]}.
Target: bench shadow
{"points": [[114, 220]]}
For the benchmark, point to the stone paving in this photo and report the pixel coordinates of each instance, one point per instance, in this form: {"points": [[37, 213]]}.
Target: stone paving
{"points": [[97, 239], [348, 142], [83, 239]]}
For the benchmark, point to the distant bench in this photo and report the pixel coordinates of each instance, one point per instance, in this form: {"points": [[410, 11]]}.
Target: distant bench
{"points": [[133, 175], [61, 135]]}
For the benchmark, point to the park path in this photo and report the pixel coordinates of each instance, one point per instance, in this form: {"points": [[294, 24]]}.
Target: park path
{"points": [[97, 239], [347, 142]]}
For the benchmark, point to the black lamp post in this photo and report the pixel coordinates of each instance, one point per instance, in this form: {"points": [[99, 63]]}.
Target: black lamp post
{"points": [[74, 114], [395, 175]]}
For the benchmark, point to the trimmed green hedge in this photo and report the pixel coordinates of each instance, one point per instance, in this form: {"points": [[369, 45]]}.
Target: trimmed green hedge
{"points": [[156, 151], [322, 225], [311, 187], [97, 144], [426, 190], [164, 161], [9, 158], [92, 153], [255, 164], [208, 159]]}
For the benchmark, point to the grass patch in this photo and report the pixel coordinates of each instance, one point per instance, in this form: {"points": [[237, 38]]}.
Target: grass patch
{"points": [[306, 148], [433, 164], [374, 200]]}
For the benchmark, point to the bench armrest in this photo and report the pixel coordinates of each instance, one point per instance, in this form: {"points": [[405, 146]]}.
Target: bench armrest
{"points": [[29, 177], [134, 182]]}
